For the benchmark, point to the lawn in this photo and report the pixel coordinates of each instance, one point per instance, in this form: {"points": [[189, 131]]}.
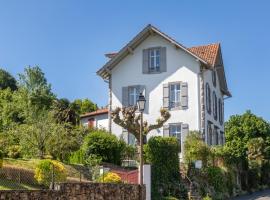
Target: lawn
{"points": [[73, 171], [13, 185]]}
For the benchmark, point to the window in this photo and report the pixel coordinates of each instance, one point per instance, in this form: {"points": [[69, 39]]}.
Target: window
{"points": [[128, 138], [222, 138], [220, 111], [208, 98], [91, 123], [216, 135], [209, 133], [133, 95], [175, 131], [174, 95], [215, 105], [154, 60], [214, 78]]}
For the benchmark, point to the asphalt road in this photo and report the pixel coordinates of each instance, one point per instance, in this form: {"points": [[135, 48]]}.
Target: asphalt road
{"points": [[261, 195]]}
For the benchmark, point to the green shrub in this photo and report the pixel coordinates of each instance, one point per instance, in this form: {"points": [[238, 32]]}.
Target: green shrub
{"points": [[110, 177], [44, 170], [1, 159], [14, 151], [216, 178], [77, 157], [196, 149], [169, 198], [104, 145], [207, 198], [162, 153]]}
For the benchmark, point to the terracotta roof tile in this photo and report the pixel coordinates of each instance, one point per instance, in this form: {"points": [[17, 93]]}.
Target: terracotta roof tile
{"points": [[207, 52], [97, 112]]}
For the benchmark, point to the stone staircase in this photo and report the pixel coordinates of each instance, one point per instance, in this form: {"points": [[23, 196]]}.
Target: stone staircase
{"points": [[193, 193]]}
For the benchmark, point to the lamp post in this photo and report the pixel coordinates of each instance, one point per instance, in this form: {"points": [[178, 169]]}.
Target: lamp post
{"points": [[141, 105]]}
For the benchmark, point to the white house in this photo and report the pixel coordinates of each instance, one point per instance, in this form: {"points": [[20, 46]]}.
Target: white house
{"points": [[96, 119], [189, 82]]}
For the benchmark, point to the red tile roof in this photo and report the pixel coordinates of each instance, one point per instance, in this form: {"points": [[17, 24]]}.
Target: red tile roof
{"points": [[208, 52], [97, 112]]}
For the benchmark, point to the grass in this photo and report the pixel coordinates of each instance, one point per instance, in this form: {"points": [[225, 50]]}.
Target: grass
{"points": [[13, 185], [32, 163]]}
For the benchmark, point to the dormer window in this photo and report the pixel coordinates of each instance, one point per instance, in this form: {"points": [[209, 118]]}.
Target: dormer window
{"points": [[154, 59]]}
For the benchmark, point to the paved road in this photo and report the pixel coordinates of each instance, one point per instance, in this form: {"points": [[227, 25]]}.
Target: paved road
{"points": [[262, 195]]}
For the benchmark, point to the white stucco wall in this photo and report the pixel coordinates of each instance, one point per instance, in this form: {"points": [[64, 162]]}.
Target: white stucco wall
{"points": [[101, 121], [180, 67]]}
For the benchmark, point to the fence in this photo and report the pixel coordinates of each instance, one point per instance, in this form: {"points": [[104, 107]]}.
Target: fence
{"points": [[15, 178]]}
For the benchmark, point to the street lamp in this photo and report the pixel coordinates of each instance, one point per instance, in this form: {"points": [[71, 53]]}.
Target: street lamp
{"points": [[141, 105]]}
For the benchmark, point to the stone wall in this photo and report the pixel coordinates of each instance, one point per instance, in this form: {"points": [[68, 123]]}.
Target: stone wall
{"points": [[80, 191]]}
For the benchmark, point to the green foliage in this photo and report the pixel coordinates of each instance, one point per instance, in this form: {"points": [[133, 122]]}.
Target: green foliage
{"points": [[169, 198], [162, 153], [109, 177], [83, 106], [104, 145], [207, 198], [14, 151], [76, 157], [240, 129], [64, 112], [1, 158], [196, 149], [44, 170], [216, 178], [39, 91], [7, 80]]}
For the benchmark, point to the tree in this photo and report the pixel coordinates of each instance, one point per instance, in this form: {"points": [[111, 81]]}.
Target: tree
{"points": [[64, 112], [240, 129], [39, 91], [131, 122], [196, 149], [7, 80], [83, 106]]}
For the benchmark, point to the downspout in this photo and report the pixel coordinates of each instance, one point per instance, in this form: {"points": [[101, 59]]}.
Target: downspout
{"points": [[110, 104]]}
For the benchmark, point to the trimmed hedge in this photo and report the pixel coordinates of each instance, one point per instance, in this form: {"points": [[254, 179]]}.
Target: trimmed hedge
{"points": [[162, 153], [104, 145]]}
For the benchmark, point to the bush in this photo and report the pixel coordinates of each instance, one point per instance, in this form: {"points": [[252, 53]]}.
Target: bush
{"points": [[104, 145], [1, 159], [162, 153], [216, 178], [76, 157], [196, 149], [169, 198], [110, 177], [14, 151], [207, 198], [44, 169]]}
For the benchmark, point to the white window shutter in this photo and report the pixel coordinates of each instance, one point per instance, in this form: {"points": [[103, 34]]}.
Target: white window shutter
{"points": [[184, 95]]}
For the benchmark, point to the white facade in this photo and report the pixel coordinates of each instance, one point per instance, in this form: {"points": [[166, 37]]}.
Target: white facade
{"points": [[180, 67], [100, 121], [183, 67]]}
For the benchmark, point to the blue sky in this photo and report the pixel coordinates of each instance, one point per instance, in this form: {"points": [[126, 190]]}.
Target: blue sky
{"points": [[68, 39]]}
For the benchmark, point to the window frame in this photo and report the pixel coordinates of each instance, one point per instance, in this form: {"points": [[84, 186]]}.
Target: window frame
{"points": [[155, 68], [208, 98], [176, 91], [214, 78], [209, 133], [179, 125], [135, 95], [214, 105]]}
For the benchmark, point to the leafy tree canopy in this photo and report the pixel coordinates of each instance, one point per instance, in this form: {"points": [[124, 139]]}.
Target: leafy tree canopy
{"points": [[83, 106], [7, 80], [240, 129]]}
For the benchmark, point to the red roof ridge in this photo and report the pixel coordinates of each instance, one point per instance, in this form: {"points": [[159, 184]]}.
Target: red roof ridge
{"points": [[97, 112]]}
